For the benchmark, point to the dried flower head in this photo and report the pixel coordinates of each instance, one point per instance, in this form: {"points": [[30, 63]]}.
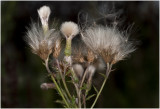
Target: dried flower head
{"points": [[69, 29], [91, 56], [108, 42], [44, 13], [77, 55], [40, 43], [57, 48]]}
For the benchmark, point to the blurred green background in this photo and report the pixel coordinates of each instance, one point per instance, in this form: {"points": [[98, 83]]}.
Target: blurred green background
{"points": [[134, 83]]}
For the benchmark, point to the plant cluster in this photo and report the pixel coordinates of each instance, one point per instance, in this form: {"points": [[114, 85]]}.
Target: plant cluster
{"points": [[71, 65]]}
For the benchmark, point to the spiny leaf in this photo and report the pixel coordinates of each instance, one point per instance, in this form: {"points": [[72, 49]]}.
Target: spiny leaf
{"points": [[90, 97]]}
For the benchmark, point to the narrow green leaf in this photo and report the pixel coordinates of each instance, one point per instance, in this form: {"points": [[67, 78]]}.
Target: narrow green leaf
{"points": [[60, 101], [95, 89], [65, 106], [70, 81], [103, 75], [88, 98]]}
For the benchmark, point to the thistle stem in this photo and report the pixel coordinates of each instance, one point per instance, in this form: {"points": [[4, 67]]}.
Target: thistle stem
{"points": [[104, 82], [64, 83], [85, 73], [68, 51], [99, 93], [68, 47], [60, 92], [79, 92], [47, 67]]}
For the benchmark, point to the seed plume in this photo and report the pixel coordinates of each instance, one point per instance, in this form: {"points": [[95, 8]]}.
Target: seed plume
{"points": [[108, 42]]}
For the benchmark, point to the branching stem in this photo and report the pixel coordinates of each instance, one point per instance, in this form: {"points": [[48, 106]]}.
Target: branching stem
{"points": [[64, 83], [60, 92]]}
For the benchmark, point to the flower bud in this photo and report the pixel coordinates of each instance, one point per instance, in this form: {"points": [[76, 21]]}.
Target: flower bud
{"points": [[78, 69]]}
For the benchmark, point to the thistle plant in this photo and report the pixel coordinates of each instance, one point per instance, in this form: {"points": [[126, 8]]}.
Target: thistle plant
{"points": [[71, 66]]}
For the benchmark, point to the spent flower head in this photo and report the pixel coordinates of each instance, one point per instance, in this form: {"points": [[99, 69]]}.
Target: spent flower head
{"points": [[57, 48], [40, 43], [108, 42]]}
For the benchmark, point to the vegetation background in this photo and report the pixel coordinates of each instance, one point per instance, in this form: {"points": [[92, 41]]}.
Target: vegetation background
{"points": [[134, 83]]}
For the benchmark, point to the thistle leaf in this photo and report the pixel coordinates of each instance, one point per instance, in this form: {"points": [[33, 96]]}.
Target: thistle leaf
{"points": [[60, 102], [95, 89], [103, 75], [88, 98]]}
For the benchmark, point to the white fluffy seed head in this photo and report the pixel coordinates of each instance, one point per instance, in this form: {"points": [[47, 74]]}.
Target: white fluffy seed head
{"points": [[69, 29], [44, 13], [109, 42], [40, 43]]}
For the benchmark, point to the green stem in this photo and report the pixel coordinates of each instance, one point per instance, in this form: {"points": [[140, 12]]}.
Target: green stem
{"points": [[67, 52], [46, 64], [59, 91], [104, 82], [45, 28], [99, 93], [68, 47], [75, 80]]}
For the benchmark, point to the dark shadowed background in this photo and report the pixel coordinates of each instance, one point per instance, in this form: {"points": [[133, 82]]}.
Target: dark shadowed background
{"points": [[134, 83]]}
